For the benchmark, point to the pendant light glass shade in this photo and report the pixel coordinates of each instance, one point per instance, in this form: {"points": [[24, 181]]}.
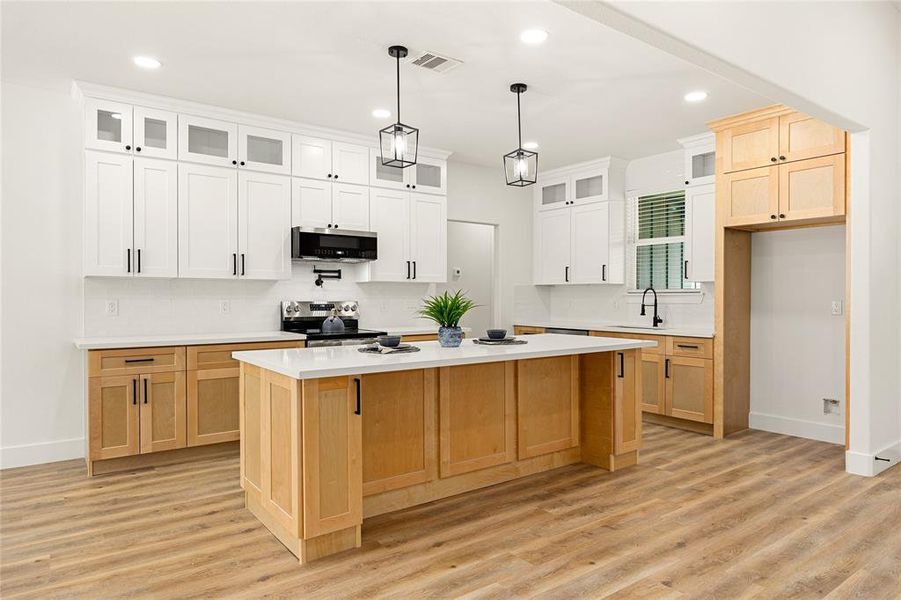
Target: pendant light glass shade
{"points": [[398, 143], [520, 165]]}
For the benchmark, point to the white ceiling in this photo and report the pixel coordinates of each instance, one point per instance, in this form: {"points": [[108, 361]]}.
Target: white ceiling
{"points": [[592, 91]]}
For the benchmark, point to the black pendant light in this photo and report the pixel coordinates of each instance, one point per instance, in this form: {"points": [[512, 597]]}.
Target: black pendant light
{"points": [[521, 165], [399, 143]]}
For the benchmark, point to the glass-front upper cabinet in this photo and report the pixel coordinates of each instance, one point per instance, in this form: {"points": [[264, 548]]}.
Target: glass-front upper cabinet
{"points": [[108, 125], [700, 159], [207, 141], [155, 133], [589, 186], [553, 192], [429, 176], [383, 176], [264, 149]]}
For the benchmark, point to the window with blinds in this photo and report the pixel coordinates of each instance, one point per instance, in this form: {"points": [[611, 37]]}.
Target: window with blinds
{"points": [[658, 242]]}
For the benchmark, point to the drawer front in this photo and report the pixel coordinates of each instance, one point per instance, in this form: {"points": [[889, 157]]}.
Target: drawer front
{"points": [[135, 361], [658, 349], [526, 330], [420, 337], [219, 356], [689, 346]]}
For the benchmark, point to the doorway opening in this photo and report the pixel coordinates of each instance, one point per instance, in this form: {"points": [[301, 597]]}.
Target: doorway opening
{"points": [[472, 267]]}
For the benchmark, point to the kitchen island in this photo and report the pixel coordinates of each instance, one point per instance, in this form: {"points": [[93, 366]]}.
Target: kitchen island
{"points": [[332, 435]]}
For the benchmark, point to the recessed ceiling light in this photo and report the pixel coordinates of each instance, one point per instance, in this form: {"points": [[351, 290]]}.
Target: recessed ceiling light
{"points": [[533, 36], [381, 113], [696, 96], [530, 145], [147, 62]]}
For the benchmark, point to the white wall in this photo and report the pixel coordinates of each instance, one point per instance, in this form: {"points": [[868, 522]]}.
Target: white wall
{"points": [[46, 303], [797, 344], [470, 248]]}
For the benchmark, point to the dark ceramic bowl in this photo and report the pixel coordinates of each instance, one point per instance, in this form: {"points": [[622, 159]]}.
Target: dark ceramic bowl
{"points": [[497, 334], [389, 341]]}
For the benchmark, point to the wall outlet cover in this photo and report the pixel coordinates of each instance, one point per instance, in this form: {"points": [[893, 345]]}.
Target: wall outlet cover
{"points": [[225, 307], [830, 406], [112, 308], [836, 307]]}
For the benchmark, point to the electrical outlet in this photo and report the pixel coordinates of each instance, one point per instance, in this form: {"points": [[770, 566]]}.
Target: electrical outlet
{"points": [[836, 307], [830, 406], [112, 308], [225, 307]]}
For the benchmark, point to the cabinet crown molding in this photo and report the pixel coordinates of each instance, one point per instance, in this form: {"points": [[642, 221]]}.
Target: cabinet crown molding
{"points": [[708, 138], [774, 110], [608, 162]]}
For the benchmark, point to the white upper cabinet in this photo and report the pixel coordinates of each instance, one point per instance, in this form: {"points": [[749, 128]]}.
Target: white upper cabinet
{"points": [[264, 150], [383, 176], [553, 192], [589, 185], [109, 214], [428, 237], [311, 157], [207, 141], [390, 218], [207, 221], [350, 207], [155, 133], [700, 233], [552, 251], [311, 203], [700, 158], [350, 163], [428, 176], [155, 218], [590, 250], [264, 226], [108, 126]]}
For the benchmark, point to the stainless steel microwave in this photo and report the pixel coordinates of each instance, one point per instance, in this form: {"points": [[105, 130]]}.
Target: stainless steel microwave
{"points": [[333, 245]]}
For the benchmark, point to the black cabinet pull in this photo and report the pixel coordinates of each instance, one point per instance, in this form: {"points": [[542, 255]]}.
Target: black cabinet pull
{"points": [[128, 260], [145, 390], [685, 270], [359, 410], [666, 368], [134, 391], [242, 264], [622, 365], [566, 273], [139, 260], [129, 361], [692, 346], [414, 269], [603, 272], [408, 269], [234, 264]]}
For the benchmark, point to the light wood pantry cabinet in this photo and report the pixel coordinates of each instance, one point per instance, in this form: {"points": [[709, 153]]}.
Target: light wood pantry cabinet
{"points": [[412, 230], [319, 158], [323, 205]]}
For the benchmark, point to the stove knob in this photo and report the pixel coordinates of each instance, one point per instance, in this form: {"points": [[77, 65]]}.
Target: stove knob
{"points": [[289, 309], [353, 307], [346, 307]]}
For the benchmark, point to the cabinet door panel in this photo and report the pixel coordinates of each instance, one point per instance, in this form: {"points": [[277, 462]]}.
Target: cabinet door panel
{"points": [[812, 188], [264, 226], [802, 137], [264, 150], [477, 417], [399, 421], [750, 145], [749, 197], [108, 125], [350, 163], [350, 207], [548, 405], [429, 176], [428, 237], [109, 214], [589, 186], [281, 474], [689, 388], [553, 248], [627, 396], [162, 411], [384, 176], [390, 218], [213, 415], [207, 221], [590, 252], [700, 232], [552, 193], [155, 218], [207, 141], [311, 203], [653, 390], [156, 133], [113, 416], [251, 407], [311, 157]]}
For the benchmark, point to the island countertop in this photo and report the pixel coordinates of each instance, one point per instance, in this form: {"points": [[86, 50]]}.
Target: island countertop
{"points": [[334, 361]]}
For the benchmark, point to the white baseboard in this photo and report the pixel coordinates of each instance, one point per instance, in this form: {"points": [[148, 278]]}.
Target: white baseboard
{"points": [[858, 463], [823, 432], [45, 452]]}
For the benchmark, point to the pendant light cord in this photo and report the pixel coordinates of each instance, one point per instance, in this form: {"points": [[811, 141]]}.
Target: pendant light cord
{"points": [[519, 119], [398, 88]]}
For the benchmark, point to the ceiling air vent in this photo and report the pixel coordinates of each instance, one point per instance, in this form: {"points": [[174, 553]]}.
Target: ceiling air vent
{"points": [[435, 62]]}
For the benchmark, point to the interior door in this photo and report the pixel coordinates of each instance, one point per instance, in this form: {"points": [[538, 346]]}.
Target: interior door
{"points": [[553, 250], [350, 206], [109, 214], [113, 415], [207, 221], [390, 218], [700, 232], [155, 133], [207, 141], [590, 252], [689, 388], [262, 149], [264, 226], [802, 137], [311, 157], [750, 197], [350, 163], [162, 408], [155, 218], [812, 188], [749, 146], [428, 237], [108, 125], [311, 203]]}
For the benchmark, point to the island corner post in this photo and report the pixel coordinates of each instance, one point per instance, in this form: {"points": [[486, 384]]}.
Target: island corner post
{"points": [[318, 455]]}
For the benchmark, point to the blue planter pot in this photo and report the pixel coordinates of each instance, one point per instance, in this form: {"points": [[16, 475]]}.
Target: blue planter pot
{"points": [[450, 337]]}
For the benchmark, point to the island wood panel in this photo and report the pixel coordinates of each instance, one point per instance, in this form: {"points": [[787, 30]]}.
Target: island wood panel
{"points": [[400, 446], [477, 416], [113, 417], [213, 406], [135, 361], [547, 404], [627, 401], [251, 385], [280, 451], [162, 409], [332, 456]]}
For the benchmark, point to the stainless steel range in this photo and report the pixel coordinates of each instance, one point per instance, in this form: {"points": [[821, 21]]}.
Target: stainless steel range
{"points": [[304, 316]]}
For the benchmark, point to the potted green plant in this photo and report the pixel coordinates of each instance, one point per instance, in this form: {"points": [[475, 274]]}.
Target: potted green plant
{"points": [[446, 310]]}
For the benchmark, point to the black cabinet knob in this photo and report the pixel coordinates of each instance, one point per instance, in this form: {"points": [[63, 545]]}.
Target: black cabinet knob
{"points": [[128, 147], [781, 157], [336, 176], [138, 149], [242, 163], [329, 225], [414, 186], [686, 183], [408, 185], [781, 215], [772, 216], [773, 159], [234, 162], [329, 175], [336, 226]]}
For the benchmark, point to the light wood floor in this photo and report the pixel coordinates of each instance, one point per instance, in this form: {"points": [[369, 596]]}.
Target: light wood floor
{"points": [[756, 516]]}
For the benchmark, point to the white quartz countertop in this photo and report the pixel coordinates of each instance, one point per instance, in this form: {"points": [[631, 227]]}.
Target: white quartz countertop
{"points": [[334, 361], [188, 339], [410, 329], [699, 332]]}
